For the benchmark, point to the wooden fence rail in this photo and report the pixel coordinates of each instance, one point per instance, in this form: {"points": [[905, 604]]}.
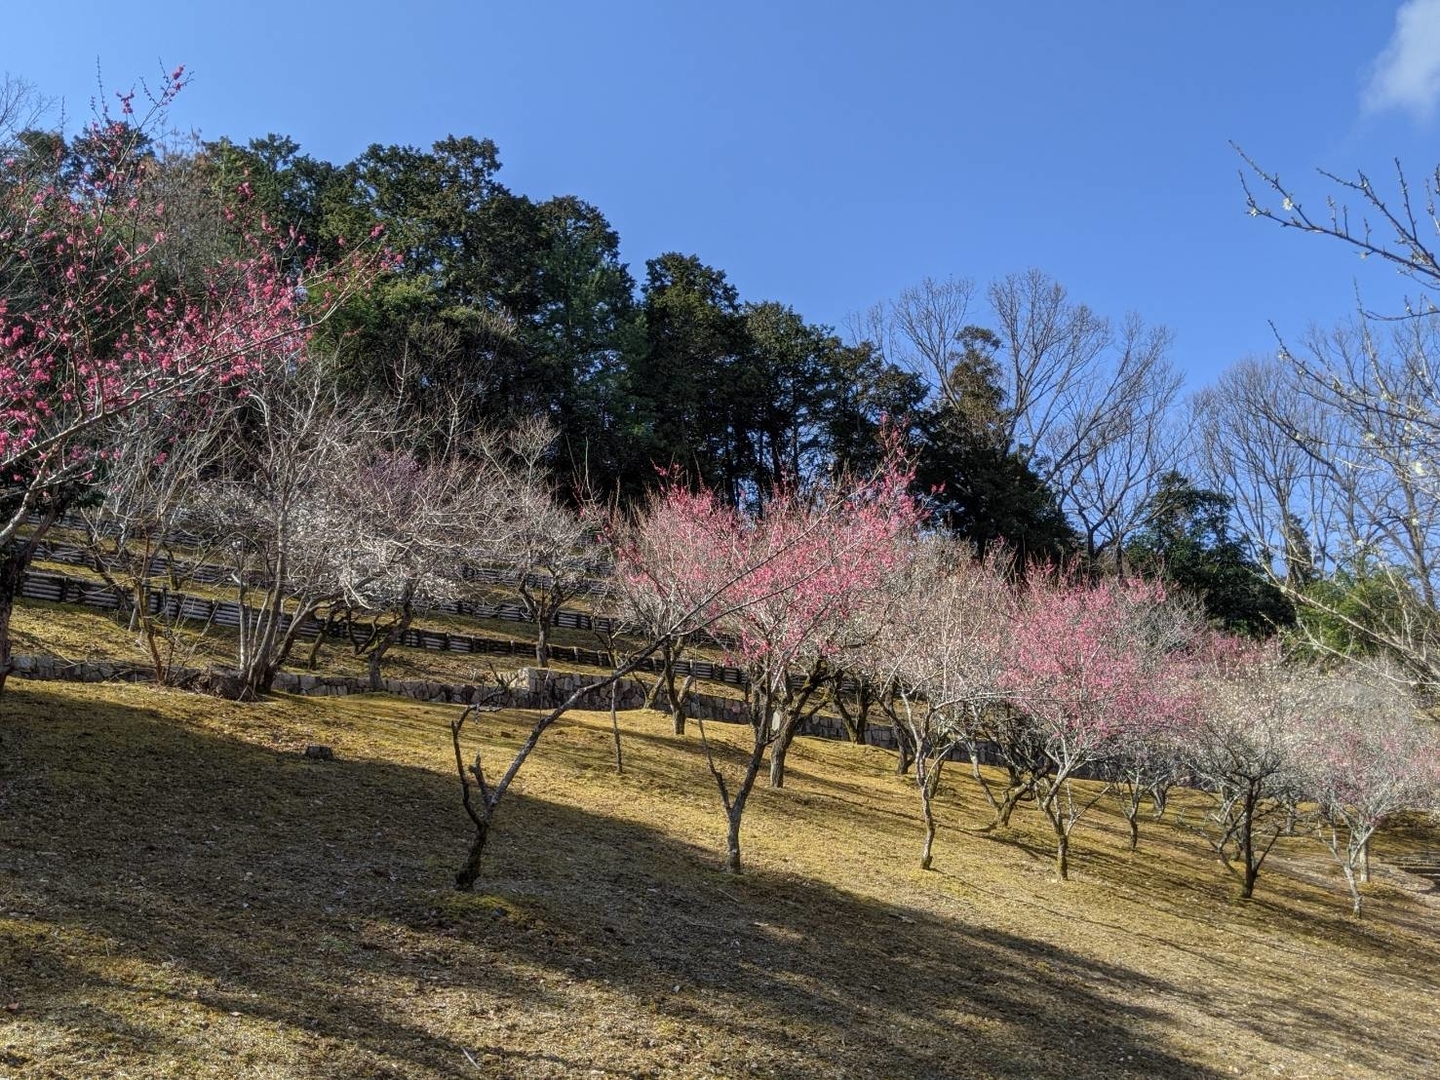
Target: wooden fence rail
{"points": [[63, 589]]}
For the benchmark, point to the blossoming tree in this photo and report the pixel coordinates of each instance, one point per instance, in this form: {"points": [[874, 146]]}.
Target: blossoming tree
{"points": [[784, 586], [938, 643], [95, 322], [1363, 754], [1088, 666]]}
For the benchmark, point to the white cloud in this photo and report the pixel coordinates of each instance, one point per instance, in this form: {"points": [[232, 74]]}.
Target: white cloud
{"points": [[1407, 74]]}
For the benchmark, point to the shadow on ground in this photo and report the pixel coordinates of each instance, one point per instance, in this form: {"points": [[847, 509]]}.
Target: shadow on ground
{"points": [[171, 894]]}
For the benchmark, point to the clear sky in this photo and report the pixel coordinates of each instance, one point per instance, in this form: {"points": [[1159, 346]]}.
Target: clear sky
{"points": [[827, 154]]}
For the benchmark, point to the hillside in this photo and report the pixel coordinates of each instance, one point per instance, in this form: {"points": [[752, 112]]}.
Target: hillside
{"points": [[183, 893]]}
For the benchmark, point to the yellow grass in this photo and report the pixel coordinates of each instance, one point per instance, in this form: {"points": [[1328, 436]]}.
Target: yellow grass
{"points": [[183, 894]]}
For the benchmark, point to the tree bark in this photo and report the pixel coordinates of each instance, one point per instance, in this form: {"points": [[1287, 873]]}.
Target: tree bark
{"points": [[1354, 886], [391, 638], [736, 810], [732, 837], [615, 730], [470, 872], [779, 749], [1007, 805], [13, 564], [670, 653], [7, 605], [928, 813], [904, 750], [1250, 867], [1055, 813]]}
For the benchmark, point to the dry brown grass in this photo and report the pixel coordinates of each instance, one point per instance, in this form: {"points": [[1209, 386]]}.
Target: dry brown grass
{"points": [[183, 894], [75, 633]]}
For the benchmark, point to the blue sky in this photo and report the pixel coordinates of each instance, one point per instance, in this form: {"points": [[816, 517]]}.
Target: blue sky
{"points": [[829, 154]]}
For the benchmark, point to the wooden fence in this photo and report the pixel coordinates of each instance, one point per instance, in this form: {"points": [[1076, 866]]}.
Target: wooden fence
{"points": [[63, 589]]}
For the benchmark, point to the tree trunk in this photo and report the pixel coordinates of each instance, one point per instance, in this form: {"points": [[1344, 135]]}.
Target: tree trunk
{"points": [[1365, 863], [778, 750], [1055, 813], [12, 568], [732, 838], [542, 642], [904, 752], [1250, 866], [929, 815], [470, 872], [314, 658], [615, 730], [1008, 804], [1247, 882], [14, 561], [669, 656], [373, 669], [385, 644], [1354, 886], [858, 722], [1130, 807], [736, 810]]}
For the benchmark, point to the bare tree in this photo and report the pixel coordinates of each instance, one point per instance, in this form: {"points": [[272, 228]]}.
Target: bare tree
{"points": [[1088, 403], [550, 548], [922, 329], [1374, 387], [1143, 765], [1335, 458], [410, 524], [1394, 229], [137, 532], [1262, 440], [1084, 402], [22, 107], [277, 504]]}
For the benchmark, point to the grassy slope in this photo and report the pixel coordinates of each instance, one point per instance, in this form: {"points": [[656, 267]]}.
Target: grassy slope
{"points": [[183, 894]]}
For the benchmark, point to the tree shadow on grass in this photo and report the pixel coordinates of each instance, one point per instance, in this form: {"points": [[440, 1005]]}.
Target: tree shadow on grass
{"points": [[168, 893]]}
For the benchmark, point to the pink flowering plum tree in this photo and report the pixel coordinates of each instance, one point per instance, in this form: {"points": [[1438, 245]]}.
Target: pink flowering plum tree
{"points": [[1088, 668], [688, 563], [780, 589], [95, 324], [658, 579]]}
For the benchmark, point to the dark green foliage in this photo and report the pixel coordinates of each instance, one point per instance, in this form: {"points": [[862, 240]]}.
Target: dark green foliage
{"points": [[504, 308], [1187, 541], [688, 380], [983, 489], [867, 392], [1363, 609]]}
